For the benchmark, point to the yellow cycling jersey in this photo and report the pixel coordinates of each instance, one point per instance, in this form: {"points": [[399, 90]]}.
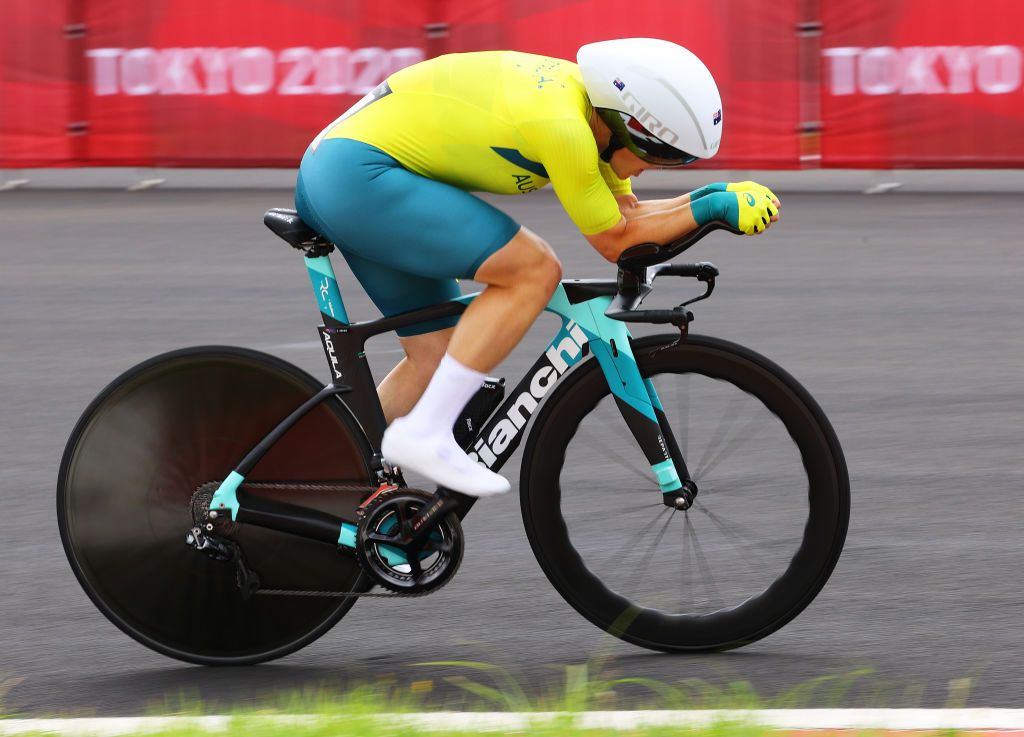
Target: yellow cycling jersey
{"points": [[494, 121]]}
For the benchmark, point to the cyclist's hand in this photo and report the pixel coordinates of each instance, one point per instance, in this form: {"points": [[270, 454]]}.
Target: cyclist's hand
{"points": [[747, 211], [756, 188], [754, 212], [747, 186]]}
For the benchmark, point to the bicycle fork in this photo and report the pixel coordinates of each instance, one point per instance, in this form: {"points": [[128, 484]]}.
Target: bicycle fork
{"points": [[635, 396]]}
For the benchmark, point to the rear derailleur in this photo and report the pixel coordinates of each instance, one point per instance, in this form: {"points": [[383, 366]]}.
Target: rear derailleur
{"points": [[222, 549], [204, 538]]}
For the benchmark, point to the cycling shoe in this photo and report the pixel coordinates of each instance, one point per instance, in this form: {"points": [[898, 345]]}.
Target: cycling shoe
{"points": [[441, 460]]}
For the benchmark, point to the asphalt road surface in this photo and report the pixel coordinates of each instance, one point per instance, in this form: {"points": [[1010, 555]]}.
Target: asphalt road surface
{"points": [[901, 313]]}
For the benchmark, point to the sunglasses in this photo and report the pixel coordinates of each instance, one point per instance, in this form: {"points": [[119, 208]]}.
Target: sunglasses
{"points": [[648, 147]]}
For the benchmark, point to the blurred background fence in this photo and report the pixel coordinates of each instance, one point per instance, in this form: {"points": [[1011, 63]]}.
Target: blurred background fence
{"points": [[238, 83]]}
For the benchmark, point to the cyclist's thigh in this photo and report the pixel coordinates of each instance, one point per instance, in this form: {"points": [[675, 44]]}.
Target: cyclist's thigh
{"points": [[371, 206], [396, 291]]}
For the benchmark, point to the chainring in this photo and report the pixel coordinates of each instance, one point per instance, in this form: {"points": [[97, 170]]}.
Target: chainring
{"points": [[383, 533]]}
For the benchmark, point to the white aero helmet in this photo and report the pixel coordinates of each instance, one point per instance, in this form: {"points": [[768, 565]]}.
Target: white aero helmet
{"points": [[659, 99]]}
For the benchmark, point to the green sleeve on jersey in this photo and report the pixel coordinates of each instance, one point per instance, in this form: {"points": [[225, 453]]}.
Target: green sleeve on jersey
{"points": [[569, 153]]}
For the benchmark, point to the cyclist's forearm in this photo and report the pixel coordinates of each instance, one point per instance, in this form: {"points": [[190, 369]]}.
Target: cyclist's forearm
{"points": [[663, 221], [658, 226], [647, 207]]}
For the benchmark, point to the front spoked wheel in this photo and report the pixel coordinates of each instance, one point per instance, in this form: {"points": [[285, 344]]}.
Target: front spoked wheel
{"points": [[765, 530]]}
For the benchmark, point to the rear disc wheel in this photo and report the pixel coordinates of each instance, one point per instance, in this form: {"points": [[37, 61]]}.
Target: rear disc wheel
{"points": [[127, 485]]}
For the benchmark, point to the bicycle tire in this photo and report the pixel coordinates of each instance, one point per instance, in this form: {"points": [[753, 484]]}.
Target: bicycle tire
{"points": [[124, 503], [828, 499]]}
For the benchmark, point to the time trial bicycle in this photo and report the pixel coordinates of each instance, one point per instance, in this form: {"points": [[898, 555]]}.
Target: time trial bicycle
{"points": [[681, 492]]}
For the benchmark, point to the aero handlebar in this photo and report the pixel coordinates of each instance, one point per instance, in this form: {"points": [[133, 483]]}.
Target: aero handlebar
{"points": [[641, 264], [648, 254]]}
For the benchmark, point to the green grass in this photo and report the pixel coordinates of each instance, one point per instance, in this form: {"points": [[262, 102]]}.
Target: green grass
{"points": [[377, 709], [474, 686], [359, 727]]}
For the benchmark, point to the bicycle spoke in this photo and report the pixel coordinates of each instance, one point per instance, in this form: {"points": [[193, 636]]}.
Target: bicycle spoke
{"points": [[626, 492], [728, 527], [702, 563], [758, 483], [608, 452], [684, 567], [721, 431], [626, 545], [636, 508], [650, 552], [734, 442], [730, 536]]}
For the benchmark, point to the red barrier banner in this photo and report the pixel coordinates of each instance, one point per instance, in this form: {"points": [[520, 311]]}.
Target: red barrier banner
{"points": [[233, 83], [35, 84], [920, 83], [199, 83], [749, 47]]}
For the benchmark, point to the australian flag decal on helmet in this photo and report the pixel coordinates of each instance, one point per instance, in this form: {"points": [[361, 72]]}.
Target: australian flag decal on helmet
{"points": [[718, 116], [619, 84]]}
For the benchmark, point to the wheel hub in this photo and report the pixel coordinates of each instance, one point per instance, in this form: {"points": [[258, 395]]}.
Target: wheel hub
{"points": [[681, 499]]}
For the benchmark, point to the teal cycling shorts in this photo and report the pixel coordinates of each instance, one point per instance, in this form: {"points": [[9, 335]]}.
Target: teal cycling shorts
{"points": [[405, 237]]}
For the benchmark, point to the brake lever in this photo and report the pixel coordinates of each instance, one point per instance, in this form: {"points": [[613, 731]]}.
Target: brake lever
{"points": [[710, 281]]}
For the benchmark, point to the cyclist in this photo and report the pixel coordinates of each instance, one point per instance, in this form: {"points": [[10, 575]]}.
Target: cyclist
{"points": [[389, 183]]}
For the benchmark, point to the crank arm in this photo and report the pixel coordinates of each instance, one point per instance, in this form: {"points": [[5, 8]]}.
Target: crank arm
{"points": [[444, 502]]}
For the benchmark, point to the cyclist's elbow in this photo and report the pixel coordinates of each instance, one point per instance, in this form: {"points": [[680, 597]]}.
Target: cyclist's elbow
{"points": [[610, 242]]}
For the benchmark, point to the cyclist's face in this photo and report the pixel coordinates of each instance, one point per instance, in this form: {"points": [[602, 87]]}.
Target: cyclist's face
{"points": [[626, 164]]}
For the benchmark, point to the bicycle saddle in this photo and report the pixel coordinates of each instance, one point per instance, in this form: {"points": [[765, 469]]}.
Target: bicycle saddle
{"points": [[289, 226]]}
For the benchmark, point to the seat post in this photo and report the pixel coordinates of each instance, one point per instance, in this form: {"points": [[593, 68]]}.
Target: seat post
{"points": [[325, 288]]}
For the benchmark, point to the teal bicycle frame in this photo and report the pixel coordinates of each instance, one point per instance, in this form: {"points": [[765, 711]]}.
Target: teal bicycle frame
{"points": [[581, 305]]}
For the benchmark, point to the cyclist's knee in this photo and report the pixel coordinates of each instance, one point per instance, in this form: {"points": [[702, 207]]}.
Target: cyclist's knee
{"points": [[527, 261], [549, 273]]}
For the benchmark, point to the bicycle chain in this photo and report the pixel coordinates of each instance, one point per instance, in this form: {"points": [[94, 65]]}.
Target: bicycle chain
{"points": [[306, 486], [344, 594], [212, 486]]}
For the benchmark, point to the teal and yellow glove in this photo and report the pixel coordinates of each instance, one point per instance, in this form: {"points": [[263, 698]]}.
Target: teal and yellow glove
{"points": [[747, 186], [746, 206]]}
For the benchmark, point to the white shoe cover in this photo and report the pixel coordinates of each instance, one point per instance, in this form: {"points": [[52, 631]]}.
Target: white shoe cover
{"points": [[441, 460]]}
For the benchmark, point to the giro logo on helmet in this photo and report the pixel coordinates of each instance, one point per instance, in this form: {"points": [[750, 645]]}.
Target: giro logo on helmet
{"points": [[645, 118]]}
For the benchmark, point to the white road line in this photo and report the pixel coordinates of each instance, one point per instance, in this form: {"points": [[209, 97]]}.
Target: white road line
{"points": [[788, 719]]}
